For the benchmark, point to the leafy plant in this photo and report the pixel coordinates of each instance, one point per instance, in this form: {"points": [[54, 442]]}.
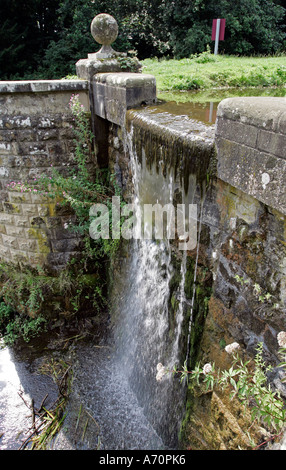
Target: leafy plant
{"points": [[84, 186], [204, 57], [246, 380], [129, 62], [14, 326]]}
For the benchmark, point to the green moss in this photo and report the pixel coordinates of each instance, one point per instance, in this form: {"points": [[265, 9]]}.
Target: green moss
{"points": [[167, 150], [42, 240], [11, 208]]}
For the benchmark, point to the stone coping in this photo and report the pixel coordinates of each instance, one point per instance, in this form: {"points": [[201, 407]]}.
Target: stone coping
{"points": [[268, 113], [38, 86], [126, 79], [114, 93], [168, 124]]}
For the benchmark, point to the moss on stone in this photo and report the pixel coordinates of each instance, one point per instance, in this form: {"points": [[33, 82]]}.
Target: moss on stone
{"points": [[41, 238]]}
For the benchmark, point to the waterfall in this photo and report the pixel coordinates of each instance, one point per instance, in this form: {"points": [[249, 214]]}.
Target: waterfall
{"points": [[143, 335]]}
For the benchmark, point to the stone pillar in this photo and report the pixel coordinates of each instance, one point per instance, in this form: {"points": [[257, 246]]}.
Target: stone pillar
{"points": [[115, 83]]}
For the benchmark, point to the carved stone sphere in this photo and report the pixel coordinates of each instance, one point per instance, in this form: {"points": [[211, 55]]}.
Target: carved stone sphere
{"points": [[104, 29]]}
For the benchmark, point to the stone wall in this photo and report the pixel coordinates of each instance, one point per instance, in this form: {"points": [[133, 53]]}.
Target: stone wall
{"points": [[35, 136], [243, 245], [251, 143]]}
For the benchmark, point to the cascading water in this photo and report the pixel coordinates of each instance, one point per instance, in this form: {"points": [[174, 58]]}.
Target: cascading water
{"points": [[145, 334]]}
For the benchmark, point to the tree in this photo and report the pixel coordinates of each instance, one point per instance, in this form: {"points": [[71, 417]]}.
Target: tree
{"points": [[45, 38], [26, 29], [252, 26]]}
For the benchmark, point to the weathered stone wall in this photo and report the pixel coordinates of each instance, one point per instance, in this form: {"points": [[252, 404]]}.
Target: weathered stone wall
{"points": [[251, 143], [243, 245], [35, 136]]}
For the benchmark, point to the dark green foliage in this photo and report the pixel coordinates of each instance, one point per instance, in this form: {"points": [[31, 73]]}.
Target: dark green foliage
{"points": [[45, 38], [13, 327], [26, 29]]}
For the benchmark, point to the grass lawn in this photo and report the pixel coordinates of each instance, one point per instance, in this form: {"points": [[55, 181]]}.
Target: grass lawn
{"points": [[206, 71]]}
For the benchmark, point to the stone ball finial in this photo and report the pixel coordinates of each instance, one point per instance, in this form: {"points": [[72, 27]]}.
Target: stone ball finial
{"points": [[104, 29]]}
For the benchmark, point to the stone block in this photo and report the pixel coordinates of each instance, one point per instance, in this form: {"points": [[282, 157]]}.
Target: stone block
{"points": [[12, 208], [53, 222], [18, 197], [244, 133], [59, 260], [21, 221], [39, 198], [272, 142], [59, 233], [114, 93], [4, 172], [7, 135], [37, 222], [43, 210], [29, 209], [31, 148], [13, 231], [28, 244], [47, 134], [36, 259], [258, 174], [18, 163], [56, 148], [10, 242], [35, 232], [250, 142], [6, 218], [66, 245], [5, 148], [18, 256], [5, 252]]}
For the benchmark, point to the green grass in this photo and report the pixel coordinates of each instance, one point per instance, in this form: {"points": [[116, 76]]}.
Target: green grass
{"points": [[206, 71]]}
